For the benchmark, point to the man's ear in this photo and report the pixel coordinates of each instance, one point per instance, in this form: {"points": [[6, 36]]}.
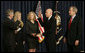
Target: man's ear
{"points": [[51, 13]]}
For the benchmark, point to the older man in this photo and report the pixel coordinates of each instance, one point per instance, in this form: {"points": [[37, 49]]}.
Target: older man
{"points": [[50, 27]]}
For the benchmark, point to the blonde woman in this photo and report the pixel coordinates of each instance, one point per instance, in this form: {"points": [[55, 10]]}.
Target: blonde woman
{"points": [[18, 16], [19, 32], [32, 30]]}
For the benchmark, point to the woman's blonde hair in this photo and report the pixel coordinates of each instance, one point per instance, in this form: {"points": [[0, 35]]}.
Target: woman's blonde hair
{"points": [[16, 16], [9, 11], [28, 15]]}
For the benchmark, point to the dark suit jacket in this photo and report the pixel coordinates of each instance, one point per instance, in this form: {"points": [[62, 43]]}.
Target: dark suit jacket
{"points": [[50, 27], [75, 31], [8, 32]]}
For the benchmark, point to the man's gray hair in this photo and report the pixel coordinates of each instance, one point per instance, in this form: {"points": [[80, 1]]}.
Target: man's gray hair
{"points": [[50, 9], [74, 8]]}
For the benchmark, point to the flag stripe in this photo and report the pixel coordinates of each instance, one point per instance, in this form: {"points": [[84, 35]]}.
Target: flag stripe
{"points": [[37, 11]]}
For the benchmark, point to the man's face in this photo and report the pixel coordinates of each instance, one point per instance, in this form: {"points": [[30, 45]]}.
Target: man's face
{"points": [[47, 13], [71, 12], [11, 15]]}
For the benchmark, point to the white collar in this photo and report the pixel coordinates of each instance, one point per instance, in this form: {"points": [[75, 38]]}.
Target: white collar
{"points": [[49, 17], [73, 16], [9, 17]]}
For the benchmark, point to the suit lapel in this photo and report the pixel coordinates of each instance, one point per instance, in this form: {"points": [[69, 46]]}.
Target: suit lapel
{"points": [[74, 20]]}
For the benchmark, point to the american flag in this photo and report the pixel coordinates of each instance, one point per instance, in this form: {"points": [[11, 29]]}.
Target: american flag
{"points": [[38, 9]]}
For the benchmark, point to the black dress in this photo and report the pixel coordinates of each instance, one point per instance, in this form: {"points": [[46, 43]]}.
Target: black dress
{"points": [[32, 28], [19, 39]]}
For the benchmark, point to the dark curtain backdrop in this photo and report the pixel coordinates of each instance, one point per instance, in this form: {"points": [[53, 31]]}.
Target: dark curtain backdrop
{"points": [[62, 7]]}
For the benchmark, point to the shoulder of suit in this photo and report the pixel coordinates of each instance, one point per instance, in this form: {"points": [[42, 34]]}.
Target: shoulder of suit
{"points": [[6, 19], [53, 18], [78, 17]]}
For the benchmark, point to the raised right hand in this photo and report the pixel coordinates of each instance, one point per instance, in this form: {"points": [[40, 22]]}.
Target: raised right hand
{"points": [[39, 15]]}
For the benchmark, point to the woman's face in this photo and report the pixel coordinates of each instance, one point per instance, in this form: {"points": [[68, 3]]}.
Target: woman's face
{"points": [[31, 16], [19, 16]]}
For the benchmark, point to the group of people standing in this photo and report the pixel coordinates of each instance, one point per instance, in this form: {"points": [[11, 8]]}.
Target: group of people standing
{"points": [[12, 30], [14, 36]]}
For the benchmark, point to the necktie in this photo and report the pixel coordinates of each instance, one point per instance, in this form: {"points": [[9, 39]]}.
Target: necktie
{"points": [[70, 23]]}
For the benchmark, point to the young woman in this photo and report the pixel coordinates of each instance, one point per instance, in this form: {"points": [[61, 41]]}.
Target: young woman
{"points": [[19, 33], [32, 31]]}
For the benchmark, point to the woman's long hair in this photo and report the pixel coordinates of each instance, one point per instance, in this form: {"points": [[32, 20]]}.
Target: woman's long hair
{"points": [[28, 15], [16, 16]]}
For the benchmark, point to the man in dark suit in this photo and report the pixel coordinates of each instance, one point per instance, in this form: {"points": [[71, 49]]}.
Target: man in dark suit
{"points": [[50, 28], [74, 31], [8, 32]]}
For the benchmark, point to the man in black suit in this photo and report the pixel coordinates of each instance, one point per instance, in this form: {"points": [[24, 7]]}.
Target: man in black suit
{"points": [[50, 28], [74, 31], [9, 26]]}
